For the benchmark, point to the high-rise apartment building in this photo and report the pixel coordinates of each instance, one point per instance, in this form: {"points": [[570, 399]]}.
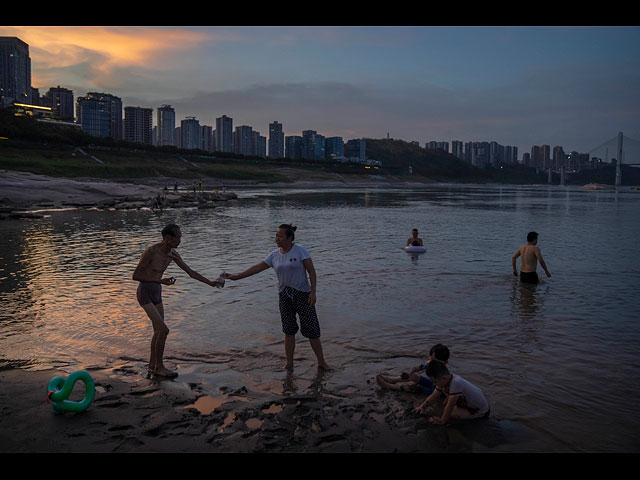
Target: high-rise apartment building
{"points": [[15, 71], [536, 157], [94, 116], [206, 138], [224, 134], [61, 102], [457, 149], [166, 126], [138, 124], [546, 157], [559, 158], [259, 144], [468, 152], [496, 154], [293, 147], [510, 154], [276, 140], [313, 145], [100, 114], [433, 145], [541, 157], [243, 140], [190, 133], [334, 148], [480, 154]]}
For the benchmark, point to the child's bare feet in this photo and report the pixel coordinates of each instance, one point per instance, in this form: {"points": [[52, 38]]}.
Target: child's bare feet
{"points": [[384, 384]]}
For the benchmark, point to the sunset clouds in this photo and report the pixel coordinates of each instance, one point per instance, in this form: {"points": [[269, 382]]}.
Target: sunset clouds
{"points": [[96, 57], [522, 86]]}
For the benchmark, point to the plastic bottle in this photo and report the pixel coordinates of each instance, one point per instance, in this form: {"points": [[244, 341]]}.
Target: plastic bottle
{"points": [[221, 280]]}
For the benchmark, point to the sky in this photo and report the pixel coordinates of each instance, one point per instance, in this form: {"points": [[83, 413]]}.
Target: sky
{"points": [[572, 86]]}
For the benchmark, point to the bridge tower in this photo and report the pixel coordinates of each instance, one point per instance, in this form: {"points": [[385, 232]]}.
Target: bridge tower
{"points": [[619, 161]]}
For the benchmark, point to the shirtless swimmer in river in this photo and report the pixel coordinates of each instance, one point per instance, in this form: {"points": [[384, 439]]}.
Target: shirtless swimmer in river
{"points": [[530, 253], [149, 271], [414, 239]]}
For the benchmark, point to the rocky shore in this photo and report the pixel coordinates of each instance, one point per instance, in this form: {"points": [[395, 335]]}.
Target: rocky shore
{"points": [[131, 413], [22, 194]]}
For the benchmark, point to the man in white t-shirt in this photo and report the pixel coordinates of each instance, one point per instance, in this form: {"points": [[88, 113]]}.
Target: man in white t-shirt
{"points": [[296, 289], [462, 399]]}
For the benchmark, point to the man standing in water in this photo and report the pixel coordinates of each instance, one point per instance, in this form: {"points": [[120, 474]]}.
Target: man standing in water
{"points": [[149, 271], [530, 253]]}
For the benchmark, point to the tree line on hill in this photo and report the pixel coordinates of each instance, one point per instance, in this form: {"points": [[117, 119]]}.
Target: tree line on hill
{"points": [[398, 157]]}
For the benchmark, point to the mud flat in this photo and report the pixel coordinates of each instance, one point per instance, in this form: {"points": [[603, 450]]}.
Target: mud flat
{"points": [[23, 193]]}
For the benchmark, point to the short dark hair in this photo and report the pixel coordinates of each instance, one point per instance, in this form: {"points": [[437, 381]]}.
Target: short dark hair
{"points": [[171, 229], [531, 236], [289, 230], [441, 352], [436, 369]]}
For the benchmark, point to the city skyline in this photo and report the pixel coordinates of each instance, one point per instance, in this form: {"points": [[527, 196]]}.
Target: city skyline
{"points": [[522, 86]]}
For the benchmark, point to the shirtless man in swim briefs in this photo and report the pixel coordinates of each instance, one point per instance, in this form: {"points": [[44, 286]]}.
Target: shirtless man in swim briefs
{"points": [[530, 253], [414, 239], [153, 263]]}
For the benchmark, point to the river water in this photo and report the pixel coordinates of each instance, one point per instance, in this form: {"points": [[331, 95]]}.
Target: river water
{"points": [[558, 360]]}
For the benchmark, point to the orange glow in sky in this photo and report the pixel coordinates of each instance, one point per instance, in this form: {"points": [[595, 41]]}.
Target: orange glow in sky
{"points": [[101, 49]]}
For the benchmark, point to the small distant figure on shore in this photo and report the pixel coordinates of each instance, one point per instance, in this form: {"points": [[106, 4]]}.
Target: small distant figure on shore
{"points": [[530, 256], [414, 240], [175, 187], [160, 202], [201, 186], [462, 399], [154, 261], [412, 381]]}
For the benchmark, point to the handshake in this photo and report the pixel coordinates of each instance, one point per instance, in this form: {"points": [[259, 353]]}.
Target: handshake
{"points": [[220, 281]]}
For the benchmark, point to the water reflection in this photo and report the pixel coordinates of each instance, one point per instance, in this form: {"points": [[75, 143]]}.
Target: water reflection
{"points": [[66, 295], [528, 299]]}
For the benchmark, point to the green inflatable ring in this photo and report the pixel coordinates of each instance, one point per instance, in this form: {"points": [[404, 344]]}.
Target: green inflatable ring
{"points": [[59, 390]]}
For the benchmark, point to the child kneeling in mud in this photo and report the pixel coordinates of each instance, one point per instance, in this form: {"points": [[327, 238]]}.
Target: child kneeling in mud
{"points": [[462, 399]]}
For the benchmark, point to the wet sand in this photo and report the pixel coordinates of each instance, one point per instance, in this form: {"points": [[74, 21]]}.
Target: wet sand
{"points": [[131, 413], [22, 192]]}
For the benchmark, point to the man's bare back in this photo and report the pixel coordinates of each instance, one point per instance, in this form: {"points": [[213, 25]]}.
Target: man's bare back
{"points": [[530, 256]]}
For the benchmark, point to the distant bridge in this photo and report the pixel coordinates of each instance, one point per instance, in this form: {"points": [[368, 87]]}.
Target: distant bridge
{"points": [[627, 152], [626, 149]]}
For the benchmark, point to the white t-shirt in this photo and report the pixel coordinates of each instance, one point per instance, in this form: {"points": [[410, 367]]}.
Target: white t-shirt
{"points": [[289, 268], [459, 387]]}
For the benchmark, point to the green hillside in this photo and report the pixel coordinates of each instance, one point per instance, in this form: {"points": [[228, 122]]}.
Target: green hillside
{"points": [[44, 148]]}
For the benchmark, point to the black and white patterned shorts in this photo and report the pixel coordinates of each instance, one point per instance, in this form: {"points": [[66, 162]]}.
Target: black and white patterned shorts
{"points": [[294, 302]]}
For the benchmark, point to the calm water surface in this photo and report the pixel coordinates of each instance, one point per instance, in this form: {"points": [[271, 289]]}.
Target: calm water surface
{"points": [[558, 361]]}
